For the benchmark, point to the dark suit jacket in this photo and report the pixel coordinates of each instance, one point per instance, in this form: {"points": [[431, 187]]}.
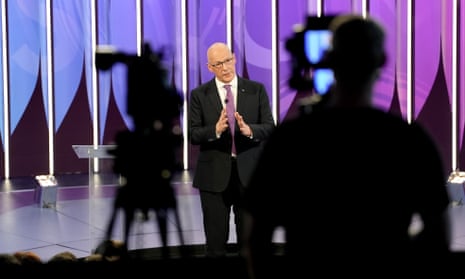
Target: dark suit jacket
{"points": [[214, 162]]}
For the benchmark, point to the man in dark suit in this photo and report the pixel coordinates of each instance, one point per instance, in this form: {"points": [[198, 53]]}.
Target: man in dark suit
{"points": [[348, 183], [223, 170]]}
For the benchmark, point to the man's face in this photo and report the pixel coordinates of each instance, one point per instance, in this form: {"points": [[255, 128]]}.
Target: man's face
{"points": [[222, 63]]}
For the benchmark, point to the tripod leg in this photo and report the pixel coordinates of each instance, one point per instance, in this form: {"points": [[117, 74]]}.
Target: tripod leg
{"points": [[178, 227], [183, 249], [110, 225], [128, 220], [163, 227]]}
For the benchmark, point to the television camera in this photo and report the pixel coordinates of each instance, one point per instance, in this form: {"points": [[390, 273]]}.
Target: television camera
{"points": [[145, 156], [308, 48]]}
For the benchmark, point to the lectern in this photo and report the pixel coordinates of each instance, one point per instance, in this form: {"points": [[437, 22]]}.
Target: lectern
{"points": [[92, 152]]}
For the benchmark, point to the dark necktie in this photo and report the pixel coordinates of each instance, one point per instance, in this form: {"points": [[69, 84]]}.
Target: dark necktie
{"points": [[230, 111]]}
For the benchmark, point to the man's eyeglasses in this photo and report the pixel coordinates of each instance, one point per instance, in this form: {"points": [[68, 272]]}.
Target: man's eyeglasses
{"points": [[226, 62]]}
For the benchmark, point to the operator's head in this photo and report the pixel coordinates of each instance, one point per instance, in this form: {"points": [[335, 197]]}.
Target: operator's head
{"points": [[357, 50], [221, 62]]}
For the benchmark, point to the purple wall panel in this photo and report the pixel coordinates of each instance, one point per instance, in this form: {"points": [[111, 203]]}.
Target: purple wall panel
{"points": [[385, 13], [432, 103], [72, 105], [426, 59], [255, 53], [29, 141], [27, 118], [289, 15], [76, 128], [337, 6], [122, 21], [211, 17], [461, 84]]}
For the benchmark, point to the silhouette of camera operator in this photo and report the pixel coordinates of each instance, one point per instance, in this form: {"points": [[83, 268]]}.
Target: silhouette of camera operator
{"points": [[145, 156], [346, 181]]}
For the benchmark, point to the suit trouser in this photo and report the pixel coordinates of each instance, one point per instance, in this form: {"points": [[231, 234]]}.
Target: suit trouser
{"points": [[216, 209]]}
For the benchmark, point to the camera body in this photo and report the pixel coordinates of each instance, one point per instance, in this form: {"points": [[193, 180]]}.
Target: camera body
{"points": [[308, 48]]}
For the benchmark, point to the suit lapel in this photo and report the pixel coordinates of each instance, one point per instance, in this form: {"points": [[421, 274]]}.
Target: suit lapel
{"points": [[213, 96], [241, 95]]}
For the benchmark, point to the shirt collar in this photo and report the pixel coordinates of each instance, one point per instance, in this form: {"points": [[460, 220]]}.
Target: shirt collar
{"points": [[233, 83]]}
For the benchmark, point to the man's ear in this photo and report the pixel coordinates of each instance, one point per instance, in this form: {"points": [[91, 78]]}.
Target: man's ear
{"points": [[210, 68]]}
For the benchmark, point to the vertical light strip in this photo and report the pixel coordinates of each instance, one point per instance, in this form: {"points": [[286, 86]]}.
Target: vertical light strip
{"points": [[6, 112], [454, 83], [319, 8], [410, 109], [95, 115], [360, 6], [229, 24], [399, 60], [274, 61], [364, 8], [95, 90], [51, 108], [184, 74], [139, 27]]}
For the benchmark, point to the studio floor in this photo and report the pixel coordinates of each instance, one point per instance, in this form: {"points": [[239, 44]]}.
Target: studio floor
{"points": [[30, 220], [79, 217]]}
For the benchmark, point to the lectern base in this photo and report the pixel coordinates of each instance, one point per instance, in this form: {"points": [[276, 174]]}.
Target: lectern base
{"points": [[46, 191], [456, 188]]}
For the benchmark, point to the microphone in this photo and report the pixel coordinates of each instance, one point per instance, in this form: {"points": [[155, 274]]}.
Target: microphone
{"points": [[225, 100]]}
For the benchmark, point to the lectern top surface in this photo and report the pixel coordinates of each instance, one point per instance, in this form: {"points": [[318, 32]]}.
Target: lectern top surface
{"points": [[92, 151]]}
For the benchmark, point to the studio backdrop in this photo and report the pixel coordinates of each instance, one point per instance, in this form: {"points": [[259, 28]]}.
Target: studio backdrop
{"points": [[52, 95]]}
